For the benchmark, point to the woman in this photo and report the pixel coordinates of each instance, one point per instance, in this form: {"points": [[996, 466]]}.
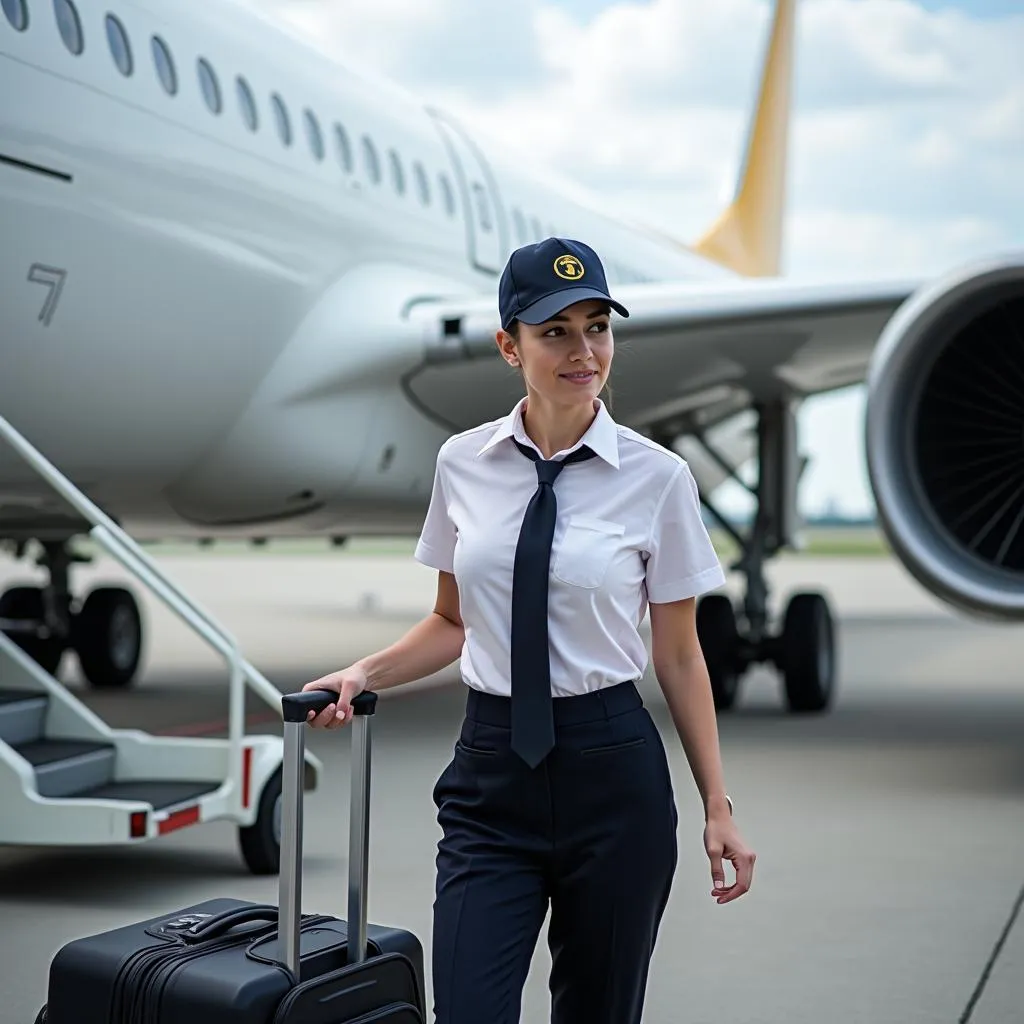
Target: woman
{"points": [[558, 794]]}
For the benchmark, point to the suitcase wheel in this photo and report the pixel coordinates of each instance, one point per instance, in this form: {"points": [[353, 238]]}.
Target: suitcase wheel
{"points": [[41, 1016], [260, 842]]}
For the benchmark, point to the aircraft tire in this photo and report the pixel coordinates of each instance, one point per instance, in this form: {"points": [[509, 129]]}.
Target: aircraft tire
{"points": [[260, 842], [27, 603], [808, 649], [719, 641], [107, 634]]}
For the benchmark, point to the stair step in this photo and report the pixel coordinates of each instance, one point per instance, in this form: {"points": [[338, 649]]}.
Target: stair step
{"points": [[160, 794], [67, 767], [43, 752], [22, 716], [14, 696]]}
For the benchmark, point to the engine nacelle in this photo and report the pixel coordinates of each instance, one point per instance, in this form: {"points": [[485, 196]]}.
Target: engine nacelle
{"points": [[945, 437]]}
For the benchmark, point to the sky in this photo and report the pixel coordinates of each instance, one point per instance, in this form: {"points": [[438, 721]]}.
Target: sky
{"points": [[906, 146]]}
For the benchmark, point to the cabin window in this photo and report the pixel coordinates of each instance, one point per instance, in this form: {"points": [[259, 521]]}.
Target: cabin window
{"points": [[120, 48], [371, 160], [17, 14], [422, 184], [164, 66], [344, 148], [247, 102], [314, 135], [284, 124], [447, 195], [483, 210], [521, 229], [397, 174], [69, 25], [209, 85]]}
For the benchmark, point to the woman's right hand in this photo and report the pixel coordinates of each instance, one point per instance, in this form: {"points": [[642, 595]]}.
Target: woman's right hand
{"points": [[347, 684]]}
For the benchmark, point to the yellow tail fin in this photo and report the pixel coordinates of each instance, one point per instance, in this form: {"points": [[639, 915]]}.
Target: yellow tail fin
{"points": [[747, 237]]}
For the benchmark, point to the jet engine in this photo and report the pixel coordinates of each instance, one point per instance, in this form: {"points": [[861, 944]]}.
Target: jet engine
{"points": [[945, 437]]}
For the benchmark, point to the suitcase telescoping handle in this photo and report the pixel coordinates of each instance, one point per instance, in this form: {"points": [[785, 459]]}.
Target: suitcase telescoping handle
{"points": [[295, 708]]}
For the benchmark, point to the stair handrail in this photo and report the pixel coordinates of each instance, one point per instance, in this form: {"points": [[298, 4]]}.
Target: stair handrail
{"points": [[138, 562]]}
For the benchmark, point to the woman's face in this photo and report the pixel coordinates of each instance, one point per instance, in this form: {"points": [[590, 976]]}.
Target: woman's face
{"points": [[565, 360]]}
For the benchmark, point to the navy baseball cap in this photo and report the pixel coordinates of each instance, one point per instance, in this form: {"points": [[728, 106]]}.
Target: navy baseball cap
{"points": [[541, 280]]}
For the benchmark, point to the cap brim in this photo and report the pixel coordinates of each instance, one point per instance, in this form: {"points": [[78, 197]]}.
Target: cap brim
{"points": [[546, 308]]}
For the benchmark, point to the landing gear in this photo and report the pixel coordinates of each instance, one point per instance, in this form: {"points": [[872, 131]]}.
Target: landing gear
{"points": [[803, 652], [720, 642], [24, 609], [105, 630], [107, 636], [733, 639], [806, 653]]}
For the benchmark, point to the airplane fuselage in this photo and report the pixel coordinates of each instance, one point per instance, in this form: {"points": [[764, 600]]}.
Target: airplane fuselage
{"points": [[206, 325]]}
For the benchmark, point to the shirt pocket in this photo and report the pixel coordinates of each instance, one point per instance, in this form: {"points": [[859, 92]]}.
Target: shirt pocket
{"points": [[586, 550]]}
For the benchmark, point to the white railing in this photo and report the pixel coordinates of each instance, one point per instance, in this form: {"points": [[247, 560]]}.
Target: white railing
{"points": [[119, 544]]}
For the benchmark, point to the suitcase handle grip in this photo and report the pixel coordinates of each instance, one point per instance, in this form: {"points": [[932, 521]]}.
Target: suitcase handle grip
{"points": [[220, 923], [296, 706]]}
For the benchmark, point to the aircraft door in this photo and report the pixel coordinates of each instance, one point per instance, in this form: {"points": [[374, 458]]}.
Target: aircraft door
{"points": [[484, 218]]}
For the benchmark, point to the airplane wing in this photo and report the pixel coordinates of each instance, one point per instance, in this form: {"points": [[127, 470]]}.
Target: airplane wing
{"points": [[690, 355]]}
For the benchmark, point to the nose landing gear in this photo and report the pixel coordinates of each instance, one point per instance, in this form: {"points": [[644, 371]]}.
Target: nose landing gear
{"points": [[105, 630]]}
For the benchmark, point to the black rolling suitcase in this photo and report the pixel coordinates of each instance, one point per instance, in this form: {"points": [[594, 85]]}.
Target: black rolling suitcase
{"points": [[228, 961]]}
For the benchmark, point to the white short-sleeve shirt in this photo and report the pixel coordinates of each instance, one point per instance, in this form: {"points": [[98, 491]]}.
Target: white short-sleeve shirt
{"points": [[628, 532]]}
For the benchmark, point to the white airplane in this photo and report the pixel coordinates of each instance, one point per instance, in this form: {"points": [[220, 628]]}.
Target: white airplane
{"points": [[247, 292]]}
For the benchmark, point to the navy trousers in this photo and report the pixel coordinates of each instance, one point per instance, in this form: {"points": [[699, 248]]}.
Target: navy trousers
{"points": [[590, 832]]}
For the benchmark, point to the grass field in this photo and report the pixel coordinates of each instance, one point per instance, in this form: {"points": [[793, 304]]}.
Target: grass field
{"points": [[852, 542]]}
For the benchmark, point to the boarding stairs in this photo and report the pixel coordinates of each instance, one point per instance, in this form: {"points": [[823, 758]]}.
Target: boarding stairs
{"points": [[68, 779]]}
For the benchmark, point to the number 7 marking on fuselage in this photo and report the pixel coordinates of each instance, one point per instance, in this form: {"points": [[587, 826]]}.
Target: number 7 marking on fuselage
{"points": [[53, 278]]}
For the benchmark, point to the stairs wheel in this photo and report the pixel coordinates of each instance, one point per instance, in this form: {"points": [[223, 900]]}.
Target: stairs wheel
{"points": [[27, 603], [107, 636], [260, 842], [719, 643]]}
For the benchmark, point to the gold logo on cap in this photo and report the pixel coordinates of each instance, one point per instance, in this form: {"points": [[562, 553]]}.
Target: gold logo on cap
{"points": [[568, 268]]}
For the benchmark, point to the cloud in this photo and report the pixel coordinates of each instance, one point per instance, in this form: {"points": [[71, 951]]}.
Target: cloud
{"points": [[826, 244], [655, 56], [463, 44], [908, 137], [873, 51]]}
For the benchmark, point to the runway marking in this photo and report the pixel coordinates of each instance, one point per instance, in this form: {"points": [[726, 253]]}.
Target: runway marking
{"points": [[987, 972]]}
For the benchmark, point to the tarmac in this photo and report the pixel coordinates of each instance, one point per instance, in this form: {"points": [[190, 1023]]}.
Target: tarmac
{"points": [[889, 831]]}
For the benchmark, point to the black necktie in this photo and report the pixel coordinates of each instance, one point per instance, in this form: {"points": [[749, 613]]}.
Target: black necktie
{"points": [[533, 729]]}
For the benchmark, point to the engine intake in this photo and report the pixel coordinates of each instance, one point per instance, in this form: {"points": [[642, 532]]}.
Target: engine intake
{"points": [[945, 438]]}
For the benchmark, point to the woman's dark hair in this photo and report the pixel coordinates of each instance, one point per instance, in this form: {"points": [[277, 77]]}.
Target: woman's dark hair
{"points": [[513, 329]]}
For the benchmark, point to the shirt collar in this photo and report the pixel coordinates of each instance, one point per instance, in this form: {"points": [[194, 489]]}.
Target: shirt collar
{"points": [[602, 436]]}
